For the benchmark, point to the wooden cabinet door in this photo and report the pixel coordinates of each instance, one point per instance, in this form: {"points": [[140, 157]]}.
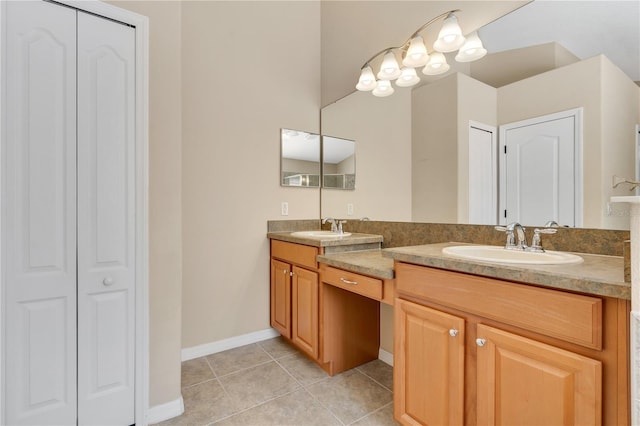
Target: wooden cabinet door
{"points": [[304, 329], [521, 381], [281, 297], [428, 366]]}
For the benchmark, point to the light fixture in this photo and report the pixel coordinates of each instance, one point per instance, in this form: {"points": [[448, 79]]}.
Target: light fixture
{"points": [[437, 64], [417, 55], [414, 54], [450, 37], [367, 80], [383, 89], [408, 77], [389, 70], [472, 49]]}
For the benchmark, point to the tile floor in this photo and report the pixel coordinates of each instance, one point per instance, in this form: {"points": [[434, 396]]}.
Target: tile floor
{"points": [[271, 383]]}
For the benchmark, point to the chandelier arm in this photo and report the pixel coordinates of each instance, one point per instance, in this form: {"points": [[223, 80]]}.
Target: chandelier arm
{"points": [[406, 43], [368, 62], [415, 33]]}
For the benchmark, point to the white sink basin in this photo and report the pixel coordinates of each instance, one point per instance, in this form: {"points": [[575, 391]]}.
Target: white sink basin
{"points": [[501, 255], [319, 234]]}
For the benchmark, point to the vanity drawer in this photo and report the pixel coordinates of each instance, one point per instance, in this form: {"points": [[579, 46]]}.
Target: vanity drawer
{"points": [[295, 253], [571, 317], [353, 282]]}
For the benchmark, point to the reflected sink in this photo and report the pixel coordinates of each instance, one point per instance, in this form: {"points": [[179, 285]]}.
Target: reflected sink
{"points": [[319, 234], [499, 254]]}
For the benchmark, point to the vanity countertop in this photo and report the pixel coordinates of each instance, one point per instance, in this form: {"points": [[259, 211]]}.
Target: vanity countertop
{"points": [[597, 275], [367, 262], [353, 239]]}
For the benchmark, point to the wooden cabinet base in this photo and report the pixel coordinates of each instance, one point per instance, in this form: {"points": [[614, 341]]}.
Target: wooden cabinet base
{"points": [[349, 329]]}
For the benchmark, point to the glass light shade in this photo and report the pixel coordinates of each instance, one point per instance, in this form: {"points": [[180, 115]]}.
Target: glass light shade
{"points": [[437, 64], [417, 55], [472, 49], [367, 80], [389, 70], [383, 89], [450, 37], [408, 77]]}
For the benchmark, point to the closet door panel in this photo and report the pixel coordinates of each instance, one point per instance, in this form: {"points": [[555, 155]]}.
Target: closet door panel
{"points": [[39, 214], [106, 221]]}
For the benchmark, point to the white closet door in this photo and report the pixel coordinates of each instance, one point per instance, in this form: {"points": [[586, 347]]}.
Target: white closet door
{"points": [[39, 214], [106, 221]]}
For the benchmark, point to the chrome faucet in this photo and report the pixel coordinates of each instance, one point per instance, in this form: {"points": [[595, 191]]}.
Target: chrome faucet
{"points": [[340, 222], [514, 230], [551, 224], [332, 221]]}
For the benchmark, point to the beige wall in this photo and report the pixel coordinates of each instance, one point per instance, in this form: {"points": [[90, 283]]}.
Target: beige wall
{"points": [[247, 72], [381, 128], [434, 159], [165, 220]]}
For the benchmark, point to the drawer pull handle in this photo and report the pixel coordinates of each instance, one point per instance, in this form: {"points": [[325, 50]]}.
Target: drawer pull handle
{"points": [[349, 282], [453, 332], [481, 342]]}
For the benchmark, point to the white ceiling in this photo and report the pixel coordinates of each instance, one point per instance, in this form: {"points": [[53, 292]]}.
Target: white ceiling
{"points": [[586, 28], [352, 31]]}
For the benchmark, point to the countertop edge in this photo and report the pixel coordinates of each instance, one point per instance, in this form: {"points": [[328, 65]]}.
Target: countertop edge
{"points": [[526, 274]]}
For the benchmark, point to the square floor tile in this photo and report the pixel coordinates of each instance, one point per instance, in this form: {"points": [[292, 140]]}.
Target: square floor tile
{"points": [[295, 409], [256, 385], [382, 417], [196, 371], [203, 403], [233, 360], [278, 347], [351, 395], [379, 371], [303, 369]]}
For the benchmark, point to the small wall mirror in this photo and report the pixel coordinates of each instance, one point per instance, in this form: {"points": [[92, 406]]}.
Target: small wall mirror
{"points": [[299, 159], [338, 163]]}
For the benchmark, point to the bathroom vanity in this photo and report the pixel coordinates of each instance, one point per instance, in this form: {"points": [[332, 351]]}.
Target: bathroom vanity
{"points": [[475, 343], [331, 315]]}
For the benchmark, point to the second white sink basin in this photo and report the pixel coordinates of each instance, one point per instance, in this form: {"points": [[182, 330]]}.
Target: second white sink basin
{"points": [[501, 255], [319, 234]]}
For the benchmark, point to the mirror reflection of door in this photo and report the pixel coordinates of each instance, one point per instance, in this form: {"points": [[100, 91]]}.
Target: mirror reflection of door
{"points": [[539, 178], [338, 163], [300, 159]]}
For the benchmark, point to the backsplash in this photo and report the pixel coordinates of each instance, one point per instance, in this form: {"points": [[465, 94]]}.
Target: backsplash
{"points": [[399, 234]]}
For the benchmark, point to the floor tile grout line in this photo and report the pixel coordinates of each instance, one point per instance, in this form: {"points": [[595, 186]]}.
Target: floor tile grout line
{"points": [[325, 407], [255, 406], [372, 413], [206, 359], [372, 378]]}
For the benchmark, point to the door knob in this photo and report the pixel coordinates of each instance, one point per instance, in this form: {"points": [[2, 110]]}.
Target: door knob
{"points": [[453, 332], [481, 342], [108, 281]]}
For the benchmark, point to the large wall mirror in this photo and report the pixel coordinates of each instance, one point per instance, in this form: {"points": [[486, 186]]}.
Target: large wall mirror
{"points": [[413, 147]]}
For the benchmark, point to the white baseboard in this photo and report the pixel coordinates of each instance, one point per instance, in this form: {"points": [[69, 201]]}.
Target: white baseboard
{"points": [[166, 411], [386, 357], [225, 344]]}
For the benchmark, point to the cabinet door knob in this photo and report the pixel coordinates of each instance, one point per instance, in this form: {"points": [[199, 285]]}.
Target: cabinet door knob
{"points": [[481, 342], [453, 332], [108, 281]]}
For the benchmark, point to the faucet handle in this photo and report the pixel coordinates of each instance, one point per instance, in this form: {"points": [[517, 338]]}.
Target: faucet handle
{"points": [[536, 242], [511, 239]]}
